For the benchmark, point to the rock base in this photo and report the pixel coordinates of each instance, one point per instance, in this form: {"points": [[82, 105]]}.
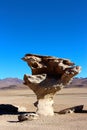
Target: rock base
{"points": [[45, 107]]}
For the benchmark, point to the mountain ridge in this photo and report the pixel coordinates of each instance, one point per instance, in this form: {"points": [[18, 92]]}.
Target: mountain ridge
{"points": [[11, 83], [16, 83]]}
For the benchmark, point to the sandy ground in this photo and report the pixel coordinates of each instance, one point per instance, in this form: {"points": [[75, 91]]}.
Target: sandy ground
{"points": [[65, 98]]}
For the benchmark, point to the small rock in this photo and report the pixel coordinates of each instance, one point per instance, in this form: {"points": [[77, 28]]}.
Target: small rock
{"points": [[75, 109], [30, 116]]}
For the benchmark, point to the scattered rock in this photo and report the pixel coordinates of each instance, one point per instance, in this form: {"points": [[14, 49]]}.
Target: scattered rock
{"points": [[75, 109], [28, 116], [22, 117]]}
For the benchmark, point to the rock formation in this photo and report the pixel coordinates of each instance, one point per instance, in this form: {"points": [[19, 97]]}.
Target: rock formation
{"points": [[49, 75], [75, 109], [28, 116]]}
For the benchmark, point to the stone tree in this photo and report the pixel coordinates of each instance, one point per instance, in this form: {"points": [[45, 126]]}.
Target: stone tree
{"points": [[49, 75]]}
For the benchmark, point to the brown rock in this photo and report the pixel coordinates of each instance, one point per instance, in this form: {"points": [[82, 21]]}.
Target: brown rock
{"points": [[75, 109], [49, 75]]}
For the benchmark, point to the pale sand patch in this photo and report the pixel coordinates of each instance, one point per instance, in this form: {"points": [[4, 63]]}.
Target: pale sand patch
{"points": [[65, 98]]}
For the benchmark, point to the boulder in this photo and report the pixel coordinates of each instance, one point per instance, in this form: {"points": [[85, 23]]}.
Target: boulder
{"points": [[75, 109], [28, 116]]}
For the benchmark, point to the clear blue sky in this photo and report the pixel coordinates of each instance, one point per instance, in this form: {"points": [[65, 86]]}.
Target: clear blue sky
{"points": [[46, 27]]}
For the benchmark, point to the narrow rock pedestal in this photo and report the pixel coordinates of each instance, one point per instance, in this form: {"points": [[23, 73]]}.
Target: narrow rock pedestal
{"points": [[49, 75], [45, 107]]}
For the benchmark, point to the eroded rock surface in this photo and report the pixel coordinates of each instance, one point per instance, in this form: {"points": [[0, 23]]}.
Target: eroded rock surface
{"points": [[49, 75]]}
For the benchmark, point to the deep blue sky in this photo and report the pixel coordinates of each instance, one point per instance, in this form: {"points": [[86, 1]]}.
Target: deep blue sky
{"points": [[46, 27]]}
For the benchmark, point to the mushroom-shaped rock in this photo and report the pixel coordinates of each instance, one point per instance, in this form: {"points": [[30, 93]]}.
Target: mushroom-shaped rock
{"points": [[49, 75]]}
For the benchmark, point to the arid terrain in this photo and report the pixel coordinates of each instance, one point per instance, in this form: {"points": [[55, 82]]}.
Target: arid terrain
{"points": [[24, 99]]}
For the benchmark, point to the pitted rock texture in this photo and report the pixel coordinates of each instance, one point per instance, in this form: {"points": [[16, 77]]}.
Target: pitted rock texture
{"points": [[49, 65], [49, 75]]}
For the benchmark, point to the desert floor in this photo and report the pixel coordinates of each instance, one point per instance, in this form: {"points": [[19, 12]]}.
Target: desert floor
{"points": [[65, 98]]}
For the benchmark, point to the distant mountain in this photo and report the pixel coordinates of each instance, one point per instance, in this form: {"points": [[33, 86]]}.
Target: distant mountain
{"points": [[78, 82], [15, 83], [11, 83]]}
